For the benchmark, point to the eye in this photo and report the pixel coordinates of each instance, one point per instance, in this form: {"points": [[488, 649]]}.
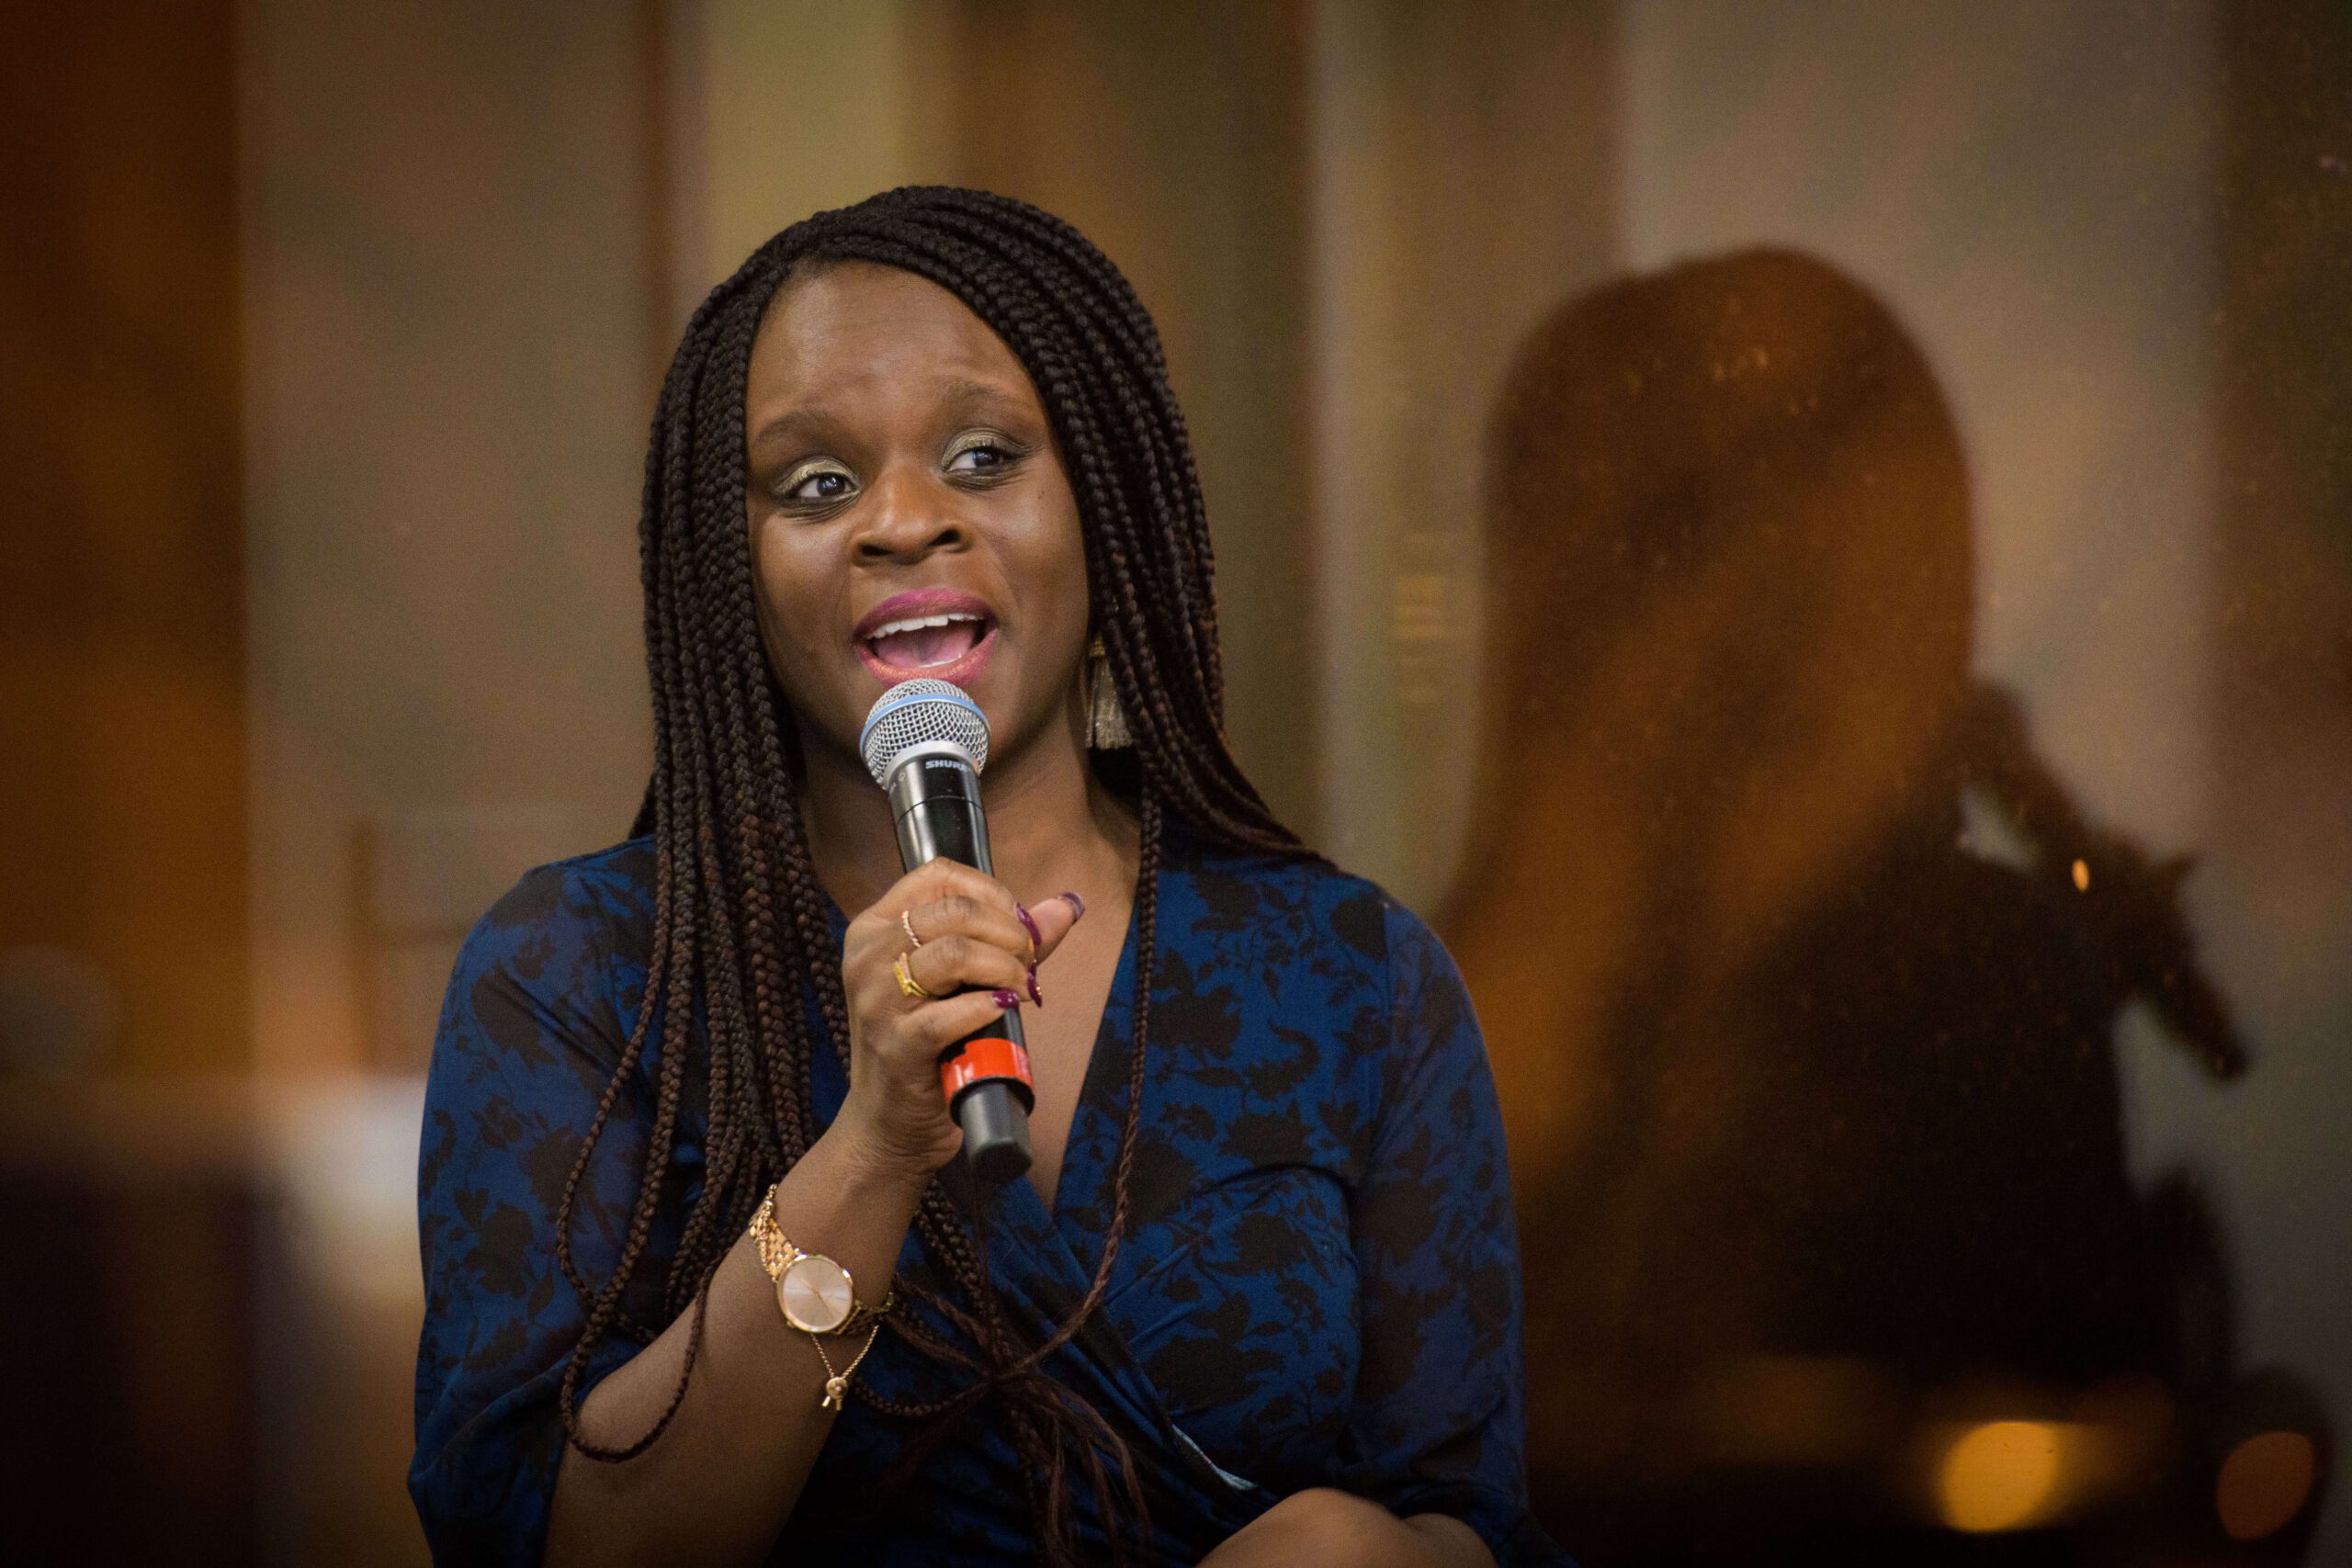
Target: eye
{"points": [[818, 481], [983, 452]]}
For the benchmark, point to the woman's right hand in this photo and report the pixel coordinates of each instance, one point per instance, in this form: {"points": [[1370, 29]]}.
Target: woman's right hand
{"points": [[973, 955]]}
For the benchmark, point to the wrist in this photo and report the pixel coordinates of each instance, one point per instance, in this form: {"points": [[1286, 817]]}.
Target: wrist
{"points": [[858, 1159]]}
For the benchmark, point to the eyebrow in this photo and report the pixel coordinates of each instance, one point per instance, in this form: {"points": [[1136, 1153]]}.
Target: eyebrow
{"points": [[967, 392], [816, 423], [961, 394]]}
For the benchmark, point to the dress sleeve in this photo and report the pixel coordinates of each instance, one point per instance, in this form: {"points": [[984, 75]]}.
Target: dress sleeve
{"points": [[1438, 1424], [529, 1033]]}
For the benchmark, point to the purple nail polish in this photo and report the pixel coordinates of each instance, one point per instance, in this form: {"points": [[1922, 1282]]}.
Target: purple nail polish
{"points": [[1004, 999], [1029, 924], [1076, 903], [1034, 993]]}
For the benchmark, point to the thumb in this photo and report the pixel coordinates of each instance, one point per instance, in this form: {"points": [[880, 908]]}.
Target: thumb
{"points": [[1054, 918]]}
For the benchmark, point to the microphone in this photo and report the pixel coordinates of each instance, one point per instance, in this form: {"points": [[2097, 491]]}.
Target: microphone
{"points": [[925, 743]]}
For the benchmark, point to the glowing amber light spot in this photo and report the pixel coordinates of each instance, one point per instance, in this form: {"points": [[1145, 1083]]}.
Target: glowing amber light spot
{"points": [[1999, 1476], [2082, 876], [2265, 1483]]}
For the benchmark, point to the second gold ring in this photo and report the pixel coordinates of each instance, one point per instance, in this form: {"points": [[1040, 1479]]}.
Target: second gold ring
{"points": [[908, 984]]}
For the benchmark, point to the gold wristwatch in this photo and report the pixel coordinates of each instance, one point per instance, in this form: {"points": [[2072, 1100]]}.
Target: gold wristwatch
{"points": [[816, 1296]]}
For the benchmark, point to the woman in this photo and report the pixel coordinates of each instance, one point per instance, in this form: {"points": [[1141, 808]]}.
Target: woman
{"points": [[1256, 1302]]}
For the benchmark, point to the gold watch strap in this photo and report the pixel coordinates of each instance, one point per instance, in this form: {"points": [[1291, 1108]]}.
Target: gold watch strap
{"points": [[777, 1253]]}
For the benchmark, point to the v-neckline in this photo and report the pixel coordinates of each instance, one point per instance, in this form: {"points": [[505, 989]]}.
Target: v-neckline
{"points": [[1092, 1118]]}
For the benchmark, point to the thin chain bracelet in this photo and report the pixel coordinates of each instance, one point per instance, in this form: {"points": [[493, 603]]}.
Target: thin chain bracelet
{"points": [[837, 1383]]}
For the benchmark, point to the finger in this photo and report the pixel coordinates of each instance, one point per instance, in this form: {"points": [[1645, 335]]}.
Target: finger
{"points": [[956, 963], [956, 915], [934, 1026], [937, 879]]}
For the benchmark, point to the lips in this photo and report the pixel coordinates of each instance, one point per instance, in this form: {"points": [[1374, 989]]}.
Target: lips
{"points": [[931, 632]]}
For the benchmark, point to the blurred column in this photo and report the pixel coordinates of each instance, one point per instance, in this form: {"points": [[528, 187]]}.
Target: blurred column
{"points": [[127, 1385], [798, 105], [1461, 182], [455, 264], [122, 631]]}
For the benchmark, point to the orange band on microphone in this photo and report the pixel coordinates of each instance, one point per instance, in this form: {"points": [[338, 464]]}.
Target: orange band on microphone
{"points": [[988, 1057]]}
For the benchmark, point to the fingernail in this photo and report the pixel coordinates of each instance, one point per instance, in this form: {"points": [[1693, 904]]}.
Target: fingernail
{"points": [[1029, 924], [1034, 993], [1004, 999], [1077, 904]]}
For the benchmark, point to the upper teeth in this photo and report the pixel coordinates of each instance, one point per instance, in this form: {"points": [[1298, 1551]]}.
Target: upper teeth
{"points": [[917, 624]]}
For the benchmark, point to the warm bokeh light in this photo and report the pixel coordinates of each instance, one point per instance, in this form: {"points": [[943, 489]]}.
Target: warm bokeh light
{"points": [[2082, 876], [2002, 1475], [2264, 1484]]}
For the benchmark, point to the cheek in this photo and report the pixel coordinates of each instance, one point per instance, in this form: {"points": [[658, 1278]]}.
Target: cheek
{"points": [[1056, 553], [792, 593]]}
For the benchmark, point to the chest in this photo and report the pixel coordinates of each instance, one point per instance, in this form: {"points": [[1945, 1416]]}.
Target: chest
{"points": [[1062, 1032]]}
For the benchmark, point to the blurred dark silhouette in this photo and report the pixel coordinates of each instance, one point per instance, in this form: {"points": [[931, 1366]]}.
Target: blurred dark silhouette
{"points": [[1801, 974]]}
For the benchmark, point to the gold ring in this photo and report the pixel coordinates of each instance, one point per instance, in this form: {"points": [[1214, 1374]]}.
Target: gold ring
{"points": [[908, 926], [907, 981]]}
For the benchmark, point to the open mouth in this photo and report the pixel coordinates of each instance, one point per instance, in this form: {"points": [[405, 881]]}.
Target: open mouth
{"points": [[918, 644], [931, 632]]}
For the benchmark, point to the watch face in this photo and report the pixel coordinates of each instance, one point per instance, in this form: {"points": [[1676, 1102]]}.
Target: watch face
{"points": [[815, 1294]]}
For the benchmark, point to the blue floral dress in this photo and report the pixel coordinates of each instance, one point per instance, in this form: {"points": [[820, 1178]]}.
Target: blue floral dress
{"points": [[1320, 1284]]}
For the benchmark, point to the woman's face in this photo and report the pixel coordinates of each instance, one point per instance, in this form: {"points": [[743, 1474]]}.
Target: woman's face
{"points": [[908, 513]]}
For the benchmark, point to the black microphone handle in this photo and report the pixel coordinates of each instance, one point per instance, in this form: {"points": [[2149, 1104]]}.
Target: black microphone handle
{"points": [[935, 802], [995, 1119]]}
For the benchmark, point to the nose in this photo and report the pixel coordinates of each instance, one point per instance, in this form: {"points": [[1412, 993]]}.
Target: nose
{"points": [[905, 519]]}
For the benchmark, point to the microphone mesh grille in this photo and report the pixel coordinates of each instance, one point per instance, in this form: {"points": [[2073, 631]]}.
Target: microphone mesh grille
{"points": [[913, 713]]}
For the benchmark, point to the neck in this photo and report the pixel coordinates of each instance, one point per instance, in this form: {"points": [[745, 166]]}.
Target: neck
{"points": [[1052, 826]]}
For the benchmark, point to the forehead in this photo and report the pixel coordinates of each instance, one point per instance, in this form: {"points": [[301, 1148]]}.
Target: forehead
{"points": [[851, 328]]}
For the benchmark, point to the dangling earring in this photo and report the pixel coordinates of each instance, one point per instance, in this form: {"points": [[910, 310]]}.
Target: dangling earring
{"points": [[1106, 721]]}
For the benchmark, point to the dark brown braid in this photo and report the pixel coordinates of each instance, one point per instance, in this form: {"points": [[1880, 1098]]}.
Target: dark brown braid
{"points": [[740, 921]]}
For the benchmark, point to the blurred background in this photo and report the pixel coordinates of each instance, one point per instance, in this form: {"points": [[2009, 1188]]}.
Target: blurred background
{"points": [[1924, 1009]]}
